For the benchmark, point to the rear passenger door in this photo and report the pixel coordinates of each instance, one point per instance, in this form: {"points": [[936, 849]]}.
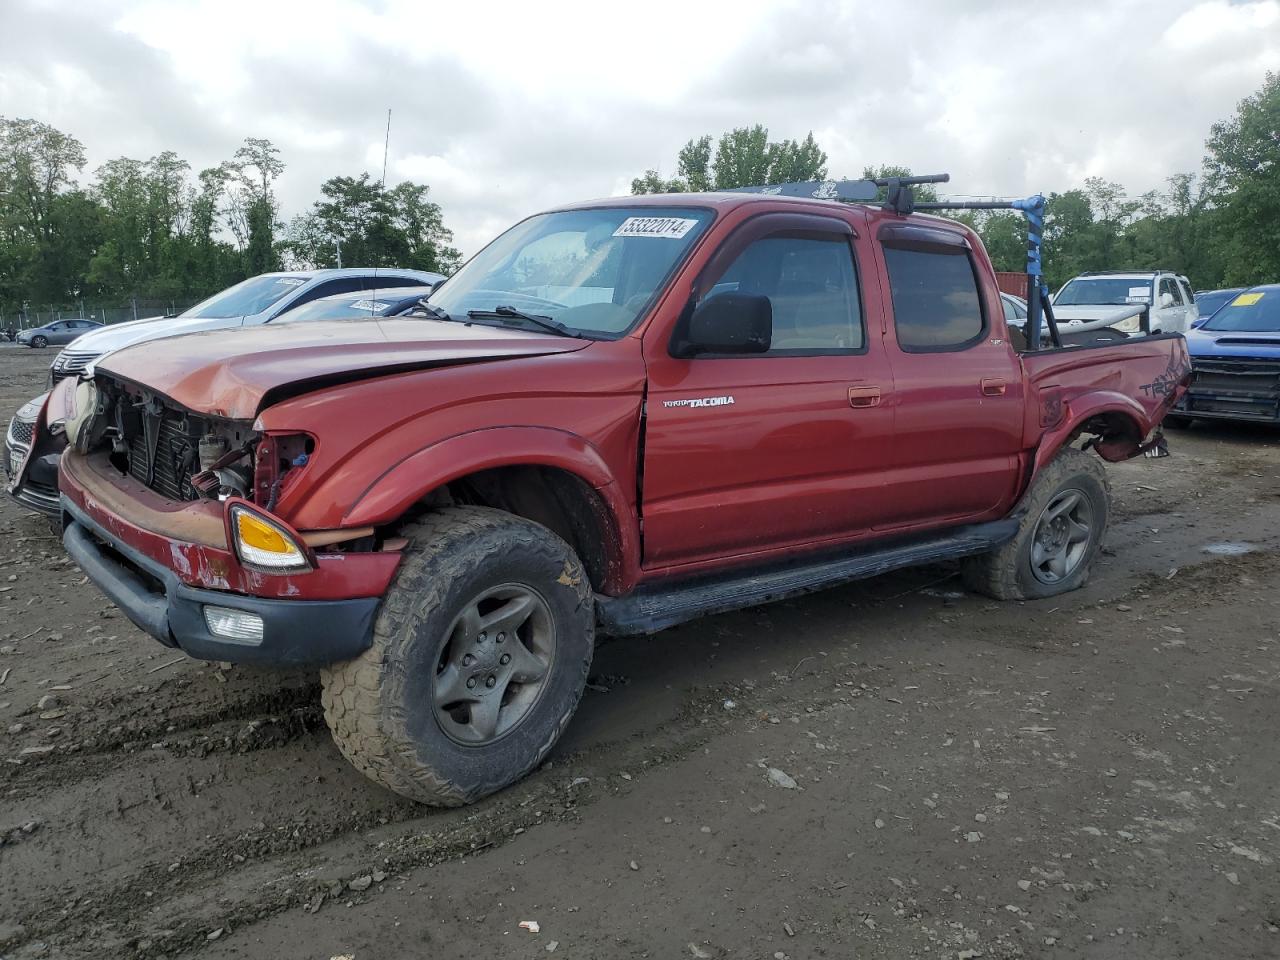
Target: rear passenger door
{"points": [[957, 383]]}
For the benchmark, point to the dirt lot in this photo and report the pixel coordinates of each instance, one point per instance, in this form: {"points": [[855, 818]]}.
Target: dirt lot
{"points": [[1094, 776]]}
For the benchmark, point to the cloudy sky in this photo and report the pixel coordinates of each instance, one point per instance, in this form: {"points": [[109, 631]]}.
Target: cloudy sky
{"points": [[505, 109]]}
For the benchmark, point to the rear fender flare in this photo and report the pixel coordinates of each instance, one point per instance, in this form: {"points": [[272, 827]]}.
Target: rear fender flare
{"points": [[405, 483], [1121, 443]]}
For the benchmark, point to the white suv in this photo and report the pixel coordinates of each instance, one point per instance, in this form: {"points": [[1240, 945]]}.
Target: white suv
{"points": [[1111, 299]]}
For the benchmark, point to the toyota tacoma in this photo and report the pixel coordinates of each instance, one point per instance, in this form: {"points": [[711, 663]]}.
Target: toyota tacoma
{"points": [[619, 415]]}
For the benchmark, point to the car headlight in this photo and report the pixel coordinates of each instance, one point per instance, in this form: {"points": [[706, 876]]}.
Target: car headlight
{"points": [[30, 411], [86, 406], [1130, 325], [263, 544]]}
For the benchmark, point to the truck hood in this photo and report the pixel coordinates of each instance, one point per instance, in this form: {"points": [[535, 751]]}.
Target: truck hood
{"points": [[120, 335], [234, 374], [1233, 343]]}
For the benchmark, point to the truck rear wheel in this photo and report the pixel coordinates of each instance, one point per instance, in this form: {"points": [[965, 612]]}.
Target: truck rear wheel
{"points": [[480, 654], [1060, 535]]}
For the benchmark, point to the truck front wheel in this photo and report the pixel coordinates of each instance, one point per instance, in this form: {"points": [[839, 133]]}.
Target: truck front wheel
{"points": [[480, 654], [1059, 537]]}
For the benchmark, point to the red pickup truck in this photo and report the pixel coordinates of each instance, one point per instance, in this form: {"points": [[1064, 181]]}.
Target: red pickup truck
{"points": [[619, 415]]}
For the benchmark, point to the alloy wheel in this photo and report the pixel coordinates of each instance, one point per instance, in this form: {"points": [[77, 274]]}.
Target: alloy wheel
{"points": [[1061, 539], [494, 665]]}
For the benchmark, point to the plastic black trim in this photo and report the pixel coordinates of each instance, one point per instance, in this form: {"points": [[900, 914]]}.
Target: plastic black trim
{"points": [[653, 608], [295, 632]]}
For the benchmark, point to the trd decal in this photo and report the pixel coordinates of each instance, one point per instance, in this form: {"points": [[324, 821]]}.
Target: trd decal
{"points": [[1174, 374], [700, 402]]}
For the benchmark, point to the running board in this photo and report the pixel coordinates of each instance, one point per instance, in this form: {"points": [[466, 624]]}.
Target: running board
{"points": [[653, 608]]}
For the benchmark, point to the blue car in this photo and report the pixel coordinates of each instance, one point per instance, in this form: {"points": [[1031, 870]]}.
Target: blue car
{"points": [[1211, 301], [1235, 361]]}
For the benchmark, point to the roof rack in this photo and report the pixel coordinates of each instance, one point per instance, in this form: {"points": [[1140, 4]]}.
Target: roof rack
{"points": [[1120, 273], [899, 199]]}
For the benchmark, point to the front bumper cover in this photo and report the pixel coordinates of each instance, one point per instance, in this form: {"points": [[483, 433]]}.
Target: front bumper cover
{"points": [[295, 632]]}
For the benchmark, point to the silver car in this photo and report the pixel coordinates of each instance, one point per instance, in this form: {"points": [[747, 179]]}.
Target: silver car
{"points": [[257, 300], [59, 331]]}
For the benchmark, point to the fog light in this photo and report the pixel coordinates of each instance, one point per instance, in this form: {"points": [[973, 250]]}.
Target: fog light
{"points": [[233, 624]]}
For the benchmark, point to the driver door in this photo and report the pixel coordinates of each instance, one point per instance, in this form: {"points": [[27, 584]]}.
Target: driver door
{"points": [[748, 454]]}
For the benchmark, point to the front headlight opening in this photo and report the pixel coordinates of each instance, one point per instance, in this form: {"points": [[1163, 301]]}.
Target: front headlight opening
{"points": [[265, 546], [1130, 325]]}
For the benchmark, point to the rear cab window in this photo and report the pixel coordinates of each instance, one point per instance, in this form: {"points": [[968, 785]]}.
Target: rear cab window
{"points": [[933, 287]]}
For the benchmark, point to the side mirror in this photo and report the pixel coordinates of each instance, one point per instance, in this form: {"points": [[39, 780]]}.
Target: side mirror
{"points": [[1166, 299], [735, 323]]}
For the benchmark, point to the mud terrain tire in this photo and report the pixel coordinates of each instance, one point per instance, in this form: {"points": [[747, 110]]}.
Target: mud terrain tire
{"points": [[1076, 481], [385, 707]]}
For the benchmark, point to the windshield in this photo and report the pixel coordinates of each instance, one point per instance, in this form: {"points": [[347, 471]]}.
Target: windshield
{"points": [[1256, 311], [1111, 291], [245, 299], [356, 305], [593, 271]]}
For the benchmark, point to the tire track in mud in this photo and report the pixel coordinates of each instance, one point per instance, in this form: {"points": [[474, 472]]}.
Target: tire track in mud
{"points": [[97, 735], [286, 863], [408, 836]]}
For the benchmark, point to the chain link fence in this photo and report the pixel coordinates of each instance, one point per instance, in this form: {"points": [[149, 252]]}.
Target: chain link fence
{"points": [[26, 316]]}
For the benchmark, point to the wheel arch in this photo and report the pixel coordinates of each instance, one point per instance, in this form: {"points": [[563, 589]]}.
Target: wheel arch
{"points": [[1118, 422], [545, 475]]}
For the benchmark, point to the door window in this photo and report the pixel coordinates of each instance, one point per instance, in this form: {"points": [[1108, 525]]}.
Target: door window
{"points": [[380, 282], [935, 298], [1168, 286], [812, 286]]}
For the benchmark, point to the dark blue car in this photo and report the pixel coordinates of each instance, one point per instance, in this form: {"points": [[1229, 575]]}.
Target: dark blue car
{"points": [[1211, 301], [1235, 361]]}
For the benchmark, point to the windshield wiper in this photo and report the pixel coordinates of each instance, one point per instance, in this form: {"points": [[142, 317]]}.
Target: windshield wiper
{"points": [[511, 313], [431, 310]]}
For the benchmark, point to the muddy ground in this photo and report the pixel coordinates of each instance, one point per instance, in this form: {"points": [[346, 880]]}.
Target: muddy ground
{"points": [[1092, 776]]}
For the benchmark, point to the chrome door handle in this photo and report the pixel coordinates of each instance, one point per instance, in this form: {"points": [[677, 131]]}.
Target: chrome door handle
{"points": [[864, 396]]}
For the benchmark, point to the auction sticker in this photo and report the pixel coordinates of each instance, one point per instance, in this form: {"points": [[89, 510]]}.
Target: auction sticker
{"points": [[670, 228], [1246, 299]]}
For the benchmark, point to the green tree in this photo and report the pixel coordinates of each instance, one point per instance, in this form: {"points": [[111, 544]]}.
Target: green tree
{"points": [[1244, 166], [375, 226], [252, 208], [743, 157], [38, 165], [1005, 237], [925, 192]]}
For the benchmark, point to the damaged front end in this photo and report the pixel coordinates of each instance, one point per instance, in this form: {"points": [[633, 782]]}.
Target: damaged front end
{"points": [[179, 454], [172, 512]]}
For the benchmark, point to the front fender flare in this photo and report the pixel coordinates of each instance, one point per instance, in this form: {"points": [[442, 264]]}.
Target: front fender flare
{"points": [[402, 485]]}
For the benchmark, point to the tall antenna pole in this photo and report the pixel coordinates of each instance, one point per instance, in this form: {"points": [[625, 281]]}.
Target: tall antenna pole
{"points": [[385, 146]]}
